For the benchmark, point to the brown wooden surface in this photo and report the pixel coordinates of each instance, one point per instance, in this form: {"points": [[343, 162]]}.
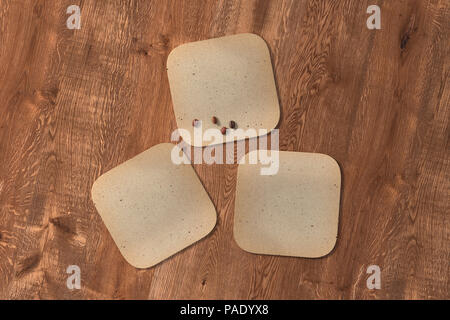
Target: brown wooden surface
{"points": [[76, 103]]}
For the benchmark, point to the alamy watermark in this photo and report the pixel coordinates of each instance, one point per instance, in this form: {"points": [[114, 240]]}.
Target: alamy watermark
{"points": [[374, 20], [74, 280], [219, 144], [74, 20], [374, 280]]}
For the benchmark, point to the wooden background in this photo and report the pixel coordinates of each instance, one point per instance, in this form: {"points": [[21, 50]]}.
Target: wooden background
{"points": [[76, 103]]}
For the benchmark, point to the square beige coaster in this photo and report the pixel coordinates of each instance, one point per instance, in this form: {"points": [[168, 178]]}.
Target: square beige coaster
{"points": [[152, 207], [292, 213], [230, 78]]}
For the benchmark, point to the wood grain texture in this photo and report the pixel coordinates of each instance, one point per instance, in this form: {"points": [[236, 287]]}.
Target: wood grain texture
{"points": [[76, 103]]}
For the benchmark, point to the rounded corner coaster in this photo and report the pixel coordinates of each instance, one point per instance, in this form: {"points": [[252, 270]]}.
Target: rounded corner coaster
{"points": [[293, 212], [152, 207], [230, 78]]}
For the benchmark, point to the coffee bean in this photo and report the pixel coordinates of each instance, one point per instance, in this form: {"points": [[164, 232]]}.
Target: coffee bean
{"points": [[214, 120], [232, 124], [223, 130]]}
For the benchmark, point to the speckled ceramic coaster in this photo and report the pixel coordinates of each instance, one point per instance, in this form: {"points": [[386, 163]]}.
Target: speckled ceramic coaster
{"points": [[292, 213], [230, 78], [152, 207]]}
